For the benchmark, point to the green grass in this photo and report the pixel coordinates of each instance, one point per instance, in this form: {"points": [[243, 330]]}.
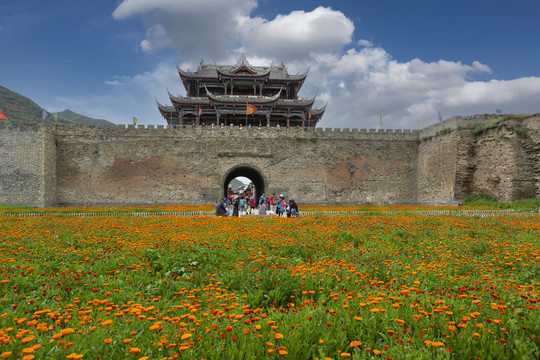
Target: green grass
{"points": [[523, 205], [497, 122]]}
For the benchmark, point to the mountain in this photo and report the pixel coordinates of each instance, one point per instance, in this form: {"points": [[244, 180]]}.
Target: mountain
{"points": [[20, 109], [79, 119]]}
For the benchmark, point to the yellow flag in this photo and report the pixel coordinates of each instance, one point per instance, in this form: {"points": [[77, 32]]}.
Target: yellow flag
{"points": [[134, 120]]}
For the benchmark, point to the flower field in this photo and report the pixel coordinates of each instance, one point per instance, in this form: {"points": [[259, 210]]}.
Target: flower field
{"points": [[381, 286]]}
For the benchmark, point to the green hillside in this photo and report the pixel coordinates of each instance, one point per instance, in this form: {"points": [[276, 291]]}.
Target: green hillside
{"points": [[20, 109], [79, 119]]}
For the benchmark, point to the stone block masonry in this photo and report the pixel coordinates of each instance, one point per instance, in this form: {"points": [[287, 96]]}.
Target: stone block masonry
{"points": [[27, 165], [44, 165]]}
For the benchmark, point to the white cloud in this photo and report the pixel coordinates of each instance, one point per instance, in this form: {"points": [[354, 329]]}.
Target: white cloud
{"points": [[299, 34], [203, 28], [364, 43], [359, 80]]}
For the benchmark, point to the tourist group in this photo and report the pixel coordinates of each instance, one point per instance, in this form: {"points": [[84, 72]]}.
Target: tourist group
{"points": [[235, 205]]}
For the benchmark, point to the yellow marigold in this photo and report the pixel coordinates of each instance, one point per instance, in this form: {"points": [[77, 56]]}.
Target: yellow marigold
{"points": [[278, 336]]}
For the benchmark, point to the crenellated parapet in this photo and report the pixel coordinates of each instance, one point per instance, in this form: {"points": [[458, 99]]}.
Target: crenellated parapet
{"points": [[201, 132]]}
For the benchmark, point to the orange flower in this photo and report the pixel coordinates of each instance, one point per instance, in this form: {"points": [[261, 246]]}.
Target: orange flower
{"points": [[5, 354], [186, 336], [108, 341], [74, 356], [282, 352], [127, 341], [376, 352], [278, 336], [345, 355], [355, 343], [134, 350], [27, 339], [107, 322], [66, 331]]}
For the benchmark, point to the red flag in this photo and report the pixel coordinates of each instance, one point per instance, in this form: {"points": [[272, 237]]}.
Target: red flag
{"points": [[250, 109], [2, 116]]}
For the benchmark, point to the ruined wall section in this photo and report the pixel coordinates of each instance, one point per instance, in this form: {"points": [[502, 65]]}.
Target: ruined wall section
{"points": [[532, 147], [130, 166], [27, 165], [507, 161], [437, 158]]}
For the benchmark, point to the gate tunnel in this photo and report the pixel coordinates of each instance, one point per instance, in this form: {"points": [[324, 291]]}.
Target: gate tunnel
{"points": [[249, 172]]}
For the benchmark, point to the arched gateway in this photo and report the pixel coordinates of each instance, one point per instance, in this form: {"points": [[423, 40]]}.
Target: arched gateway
{"points": [[249, 172]]}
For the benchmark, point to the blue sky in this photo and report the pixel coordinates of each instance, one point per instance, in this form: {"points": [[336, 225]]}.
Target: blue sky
{"points": [[402, 60]]}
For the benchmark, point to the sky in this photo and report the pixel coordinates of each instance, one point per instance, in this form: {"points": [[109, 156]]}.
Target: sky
{"points": [[402, 61]]}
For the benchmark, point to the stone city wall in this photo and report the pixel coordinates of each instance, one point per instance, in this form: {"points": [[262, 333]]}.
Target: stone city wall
{"points": [[130, 166], [45, 165]]}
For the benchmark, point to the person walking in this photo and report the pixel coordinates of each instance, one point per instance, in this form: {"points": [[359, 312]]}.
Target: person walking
{"points": [[262, 208], [273, 203]]}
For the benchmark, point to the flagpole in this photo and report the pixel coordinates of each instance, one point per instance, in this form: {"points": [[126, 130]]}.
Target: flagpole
{"points": [[246, 112]]}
